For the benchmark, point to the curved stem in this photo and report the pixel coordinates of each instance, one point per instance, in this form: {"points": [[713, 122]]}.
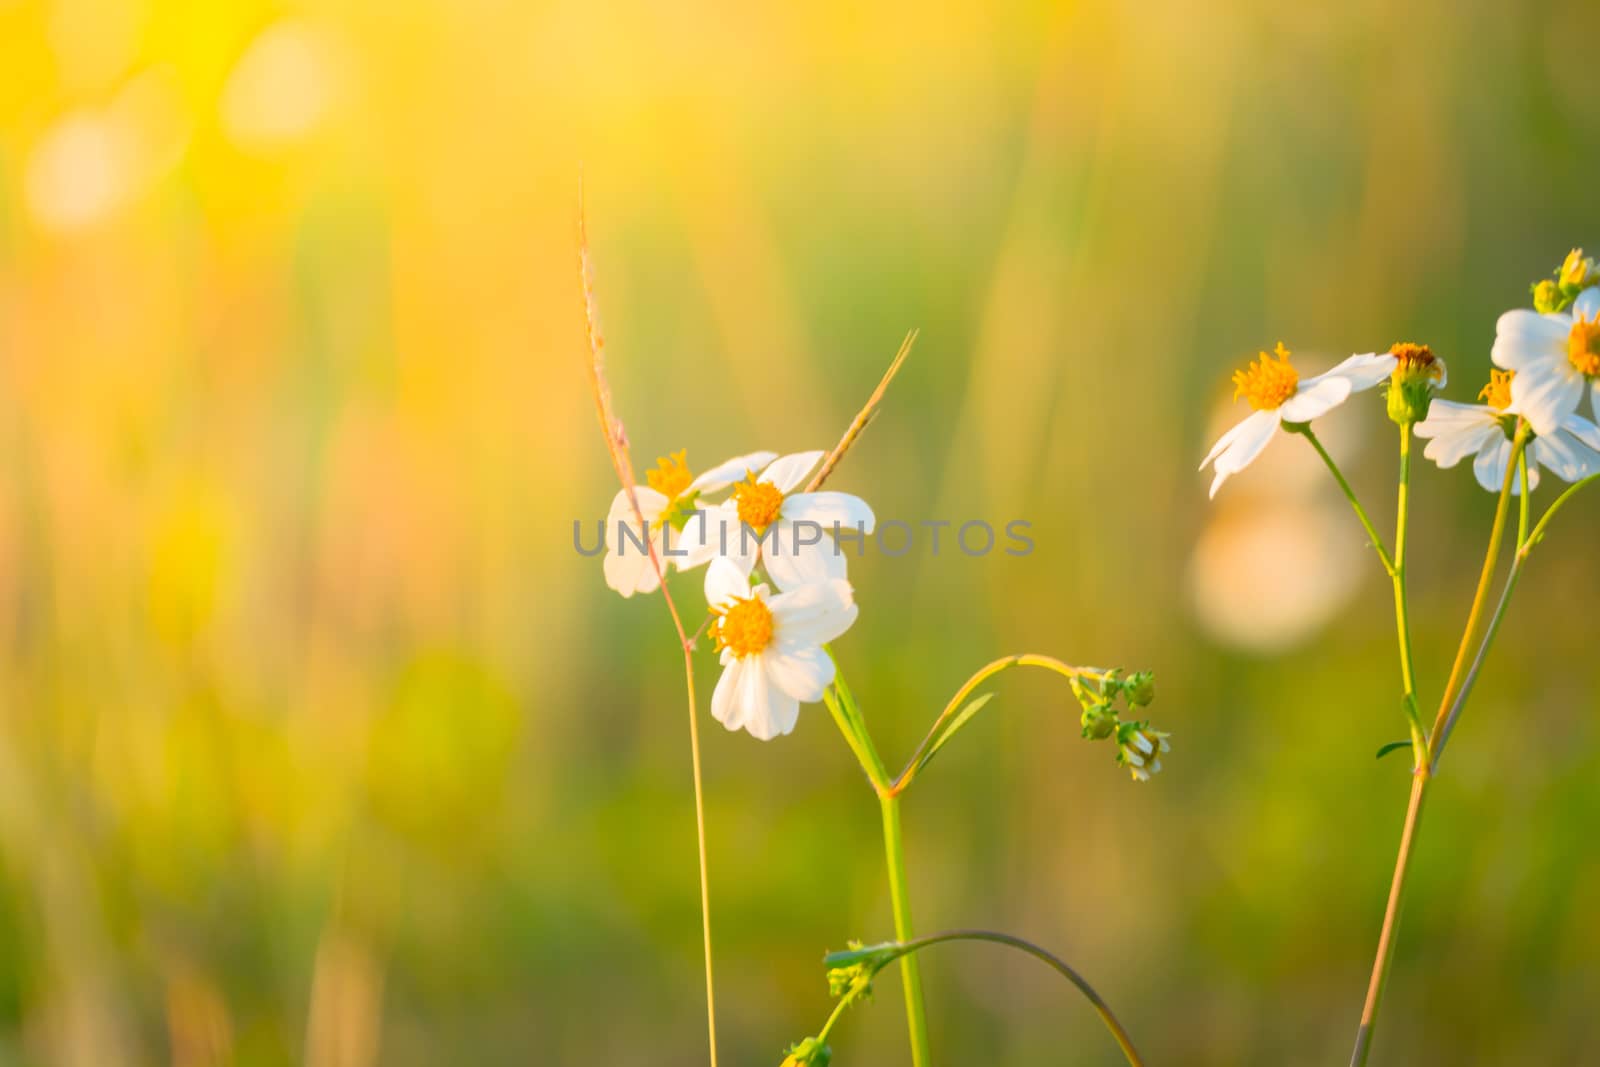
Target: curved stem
{"points": [[984, 673], [1350, 495], [910, 972], [905, 949], [1490, 558]]}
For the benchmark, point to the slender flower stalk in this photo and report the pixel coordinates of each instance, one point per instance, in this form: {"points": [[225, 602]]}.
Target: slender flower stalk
{"points": [[851, 973], [617, 448], [1423, 772]]}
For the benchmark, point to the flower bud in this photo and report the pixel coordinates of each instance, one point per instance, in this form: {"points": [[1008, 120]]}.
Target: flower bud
{"points": [[1099, 721], [808, 1053], [1139, 749], [1417, 373], [1140, 688], [1547, 297], [1575, 272]]}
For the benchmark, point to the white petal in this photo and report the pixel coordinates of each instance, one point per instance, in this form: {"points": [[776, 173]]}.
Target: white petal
{"points": [[1249, 438], [803, 673], [1226, 440], [1546, 394], [726, 582], [1524, 338], [725, 705], [651, 503], [1490, 469], [734, 470], [1565, 457], [767, 711], [631, 571], [1451, 446], [812, 615], [1582, 428], [1315, 398], [1362, 372], [827, 508], [1444, 373], [794, 561], [713, 532], [1594, 387], [1449, 416], [790, 471], [1587, 305]]}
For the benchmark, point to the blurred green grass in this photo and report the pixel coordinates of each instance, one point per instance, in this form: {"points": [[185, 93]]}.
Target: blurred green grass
{"points": [[320, 743]]}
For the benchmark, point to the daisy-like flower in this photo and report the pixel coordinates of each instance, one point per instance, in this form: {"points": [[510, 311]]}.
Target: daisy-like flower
{"points": [[1279, 396], [667, 503], [1554, 356], [790, 533], [1139, 749], [771, 647], [1455, 431], [1417, 375]]}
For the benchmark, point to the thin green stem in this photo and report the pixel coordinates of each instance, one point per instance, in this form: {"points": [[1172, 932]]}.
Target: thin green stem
{"points": [[1522, 500], [1491, 557], [1525, 542], [1423, 774], [905, 949], [1397, 574], [1350, 495], [983, 674], [910, 973]]}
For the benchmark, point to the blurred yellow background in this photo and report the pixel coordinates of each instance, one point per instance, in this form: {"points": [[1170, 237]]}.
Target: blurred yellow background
{"points": [[319, 743]]}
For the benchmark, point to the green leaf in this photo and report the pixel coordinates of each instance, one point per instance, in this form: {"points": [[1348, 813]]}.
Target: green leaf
{"points": [[1391, 746], [972, 708]]}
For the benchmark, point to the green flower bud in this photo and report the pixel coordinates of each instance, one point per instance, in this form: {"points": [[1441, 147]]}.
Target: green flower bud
{"points": [[1417, 373], [808, 1053], [1547, 297], [1099, 720], [1140, 688]]}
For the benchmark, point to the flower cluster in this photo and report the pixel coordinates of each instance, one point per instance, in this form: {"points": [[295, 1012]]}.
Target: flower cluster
{"points": [[1546, 359], [1139, 746], [770, 643]]}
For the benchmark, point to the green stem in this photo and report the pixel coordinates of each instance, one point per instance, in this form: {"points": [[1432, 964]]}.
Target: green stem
{"points": [[910, 973], [1350, 495], [1423, 775], [1525, 542], [1397, 574], [905, 949]]}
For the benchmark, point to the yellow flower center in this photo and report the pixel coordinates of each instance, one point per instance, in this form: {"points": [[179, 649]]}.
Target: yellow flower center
{"points": [[1583, 345], [1415, 361], [1267, 383], [671, 475], [758, 503], [744, 627], [1497, 394]]}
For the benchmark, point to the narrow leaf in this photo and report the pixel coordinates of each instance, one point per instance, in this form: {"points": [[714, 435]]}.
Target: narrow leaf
{"points": [[1392, 746]]}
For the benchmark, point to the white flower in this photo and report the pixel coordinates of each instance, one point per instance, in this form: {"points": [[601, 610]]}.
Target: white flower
{"points": [[1279, 396], [1454, 431], [790, 533], [1139, 749], [1554, 356], [666, 503], [771, 645]]}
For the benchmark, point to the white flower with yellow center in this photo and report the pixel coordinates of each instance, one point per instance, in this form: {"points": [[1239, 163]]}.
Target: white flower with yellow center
{"points": [[771, 647], [1554, 356], [790, 533], [1455, 431], [1279, 396], [667, 504]]}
